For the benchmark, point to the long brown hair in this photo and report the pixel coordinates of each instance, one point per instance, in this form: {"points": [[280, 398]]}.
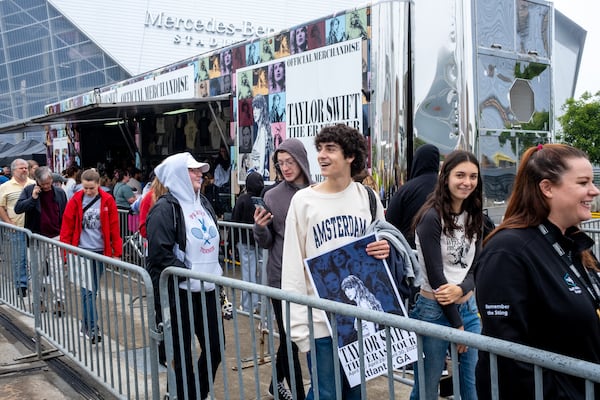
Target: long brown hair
{"points": [[441, 198], [527, 205]]}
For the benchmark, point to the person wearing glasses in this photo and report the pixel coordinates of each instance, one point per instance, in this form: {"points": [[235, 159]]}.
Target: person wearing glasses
{"points": [[182, 232], [341, 153], [269, 228]]}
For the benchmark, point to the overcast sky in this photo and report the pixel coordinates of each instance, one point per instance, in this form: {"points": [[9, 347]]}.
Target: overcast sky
{"points": [[585, 14]]}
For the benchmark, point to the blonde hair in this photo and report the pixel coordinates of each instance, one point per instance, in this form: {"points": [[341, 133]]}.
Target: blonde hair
{"points": [[158, 189]]}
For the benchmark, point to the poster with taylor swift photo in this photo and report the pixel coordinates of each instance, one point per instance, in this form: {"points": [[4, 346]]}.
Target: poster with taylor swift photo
{"points": [[348, 275]]}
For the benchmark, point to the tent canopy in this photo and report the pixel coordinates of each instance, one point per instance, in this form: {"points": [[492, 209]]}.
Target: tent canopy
{"points": [[27, 150], [5, 146]]}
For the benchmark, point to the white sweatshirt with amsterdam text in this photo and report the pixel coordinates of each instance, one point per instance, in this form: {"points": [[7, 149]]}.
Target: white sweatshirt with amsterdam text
{"points": [[317, 223]]}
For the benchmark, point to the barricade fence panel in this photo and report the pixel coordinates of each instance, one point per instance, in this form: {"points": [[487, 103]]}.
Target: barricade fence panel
{"points": [[134, 245], [592, 228], [243, 261], [14, 268], [122, 354], [238, 341], [99, 311]]}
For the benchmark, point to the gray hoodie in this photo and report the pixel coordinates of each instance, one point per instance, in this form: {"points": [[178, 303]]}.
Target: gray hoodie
{"points": [[278, 200]]}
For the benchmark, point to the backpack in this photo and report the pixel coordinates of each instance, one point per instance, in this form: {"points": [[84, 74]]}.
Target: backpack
{"points": [[488, 223], [402, 261], [372, 203]]}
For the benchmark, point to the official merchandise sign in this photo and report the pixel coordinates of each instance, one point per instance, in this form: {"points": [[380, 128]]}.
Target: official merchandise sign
{"points": [[348, 275], [177, 84], [296, 96]]}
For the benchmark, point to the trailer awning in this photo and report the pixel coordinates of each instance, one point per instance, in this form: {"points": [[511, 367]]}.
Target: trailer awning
{"points": [[20, 126], [107, 112]]}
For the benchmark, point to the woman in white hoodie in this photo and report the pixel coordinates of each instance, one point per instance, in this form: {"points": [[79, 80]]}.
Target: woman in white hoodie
{"points": [[182, 231]]}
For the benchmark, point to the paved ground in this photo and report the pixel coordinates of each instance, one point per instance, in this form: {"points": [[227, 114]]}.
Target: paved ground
{"points": [[24, 376], [56, 377]]}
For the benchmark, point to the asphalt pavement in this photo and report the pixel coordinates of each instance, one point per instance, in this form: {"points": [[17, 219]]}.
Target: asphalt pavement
{"points": [[24, 375]]}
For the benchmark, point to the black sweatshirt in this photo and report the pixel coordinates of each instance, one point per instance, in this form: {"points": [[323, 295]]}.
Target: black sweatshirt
{"points": [[527, 294], [407, 201]]}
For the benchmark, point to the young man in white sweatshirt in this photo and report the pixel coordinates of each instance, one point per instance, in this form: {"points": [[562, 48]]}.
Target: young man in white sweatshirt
{"points": [[321, 218]]}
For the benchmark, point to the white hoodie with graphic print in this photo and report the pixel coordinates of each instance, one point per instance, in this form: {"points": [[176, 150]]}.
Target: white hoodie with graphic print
{"points": [[202, 236]]}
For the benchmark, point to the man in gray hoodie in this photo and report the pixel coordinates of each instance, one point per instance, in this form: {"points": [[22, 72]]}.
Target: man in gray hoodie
{"points": [[269, 229]]}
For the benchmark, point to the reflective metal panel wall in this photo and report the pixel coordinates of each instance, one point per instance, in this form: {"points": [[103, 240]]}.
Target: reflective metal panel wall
{"points": [[443, 74], [569, 40], [514, 93], [483, 81], [387, 89]]}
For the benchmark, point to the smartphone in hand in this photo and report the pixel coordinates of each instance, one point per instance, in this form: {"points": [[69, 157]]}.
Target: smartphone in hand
{"points": [[260, 202]]}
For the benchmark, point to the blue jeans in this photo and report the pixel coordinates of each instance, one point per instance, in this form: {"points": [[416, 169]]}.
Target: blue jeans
{"points": [[248, 261], [18, 245], [325, 373], [88, 299], [435, 350]]}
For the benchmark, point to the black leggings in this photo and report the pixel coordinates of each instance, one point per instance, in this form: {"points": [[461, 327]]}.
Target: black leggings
{"points": [[186, 347], [282, 363]]}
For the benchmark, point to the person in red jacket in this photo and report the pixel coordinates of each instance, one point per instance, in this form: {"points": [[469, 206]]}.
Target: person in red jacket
{"points": [[156, 190], [91, 221]]}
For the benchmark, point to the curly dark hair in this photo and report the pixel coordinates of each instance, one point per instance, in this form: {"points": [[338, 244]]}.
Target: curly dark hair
{"points": [[352, 142]]}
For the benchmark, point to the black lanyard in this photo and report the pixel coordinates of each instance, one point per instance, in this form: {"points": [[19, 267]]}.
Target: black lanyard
{"points": [[594, 291]]}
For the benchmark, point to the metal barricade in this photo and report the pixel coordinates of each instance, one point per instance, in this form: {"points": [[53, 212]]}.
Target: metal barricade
{"points": [[15, 271], [100, 312], [134, 245], [592, 228], [124, 356], [230, 382], [248, 263]]}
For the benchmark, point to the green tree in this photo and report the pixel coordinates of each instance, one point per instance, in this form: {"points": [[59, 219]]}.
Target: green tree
{"points": [[581, 124]]}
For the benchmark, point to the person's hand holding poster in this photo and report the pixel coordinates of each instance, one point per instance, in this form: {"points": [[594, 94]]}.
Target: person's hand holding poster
{"points": [[349, 275]]}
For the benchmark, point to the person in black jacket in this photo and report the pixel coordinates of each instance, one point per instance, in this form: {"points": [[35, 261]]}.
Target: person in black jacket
{"points": [[182, 232], [412, 195], [250, 255], [44, 205], [527, 292]]}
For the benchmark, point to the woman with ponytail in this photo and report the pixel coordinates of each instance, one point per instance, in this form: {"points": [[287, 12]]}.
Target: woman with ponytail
{"points": [[537, 281]]}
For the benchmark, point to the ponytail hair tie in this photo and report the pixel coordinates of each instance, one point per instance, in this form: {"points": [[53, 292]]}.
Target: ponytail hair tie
{"points": [[540, 146]]}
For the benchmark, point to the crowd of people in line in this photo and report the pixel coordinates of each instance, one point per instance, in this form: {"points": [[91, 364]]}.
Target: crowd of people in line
{"points": [[532, 275]]}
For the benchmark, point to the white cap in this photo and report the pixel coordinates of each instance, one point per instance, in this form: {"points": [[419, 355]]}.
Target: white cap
{"points": [[192, 163]]}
